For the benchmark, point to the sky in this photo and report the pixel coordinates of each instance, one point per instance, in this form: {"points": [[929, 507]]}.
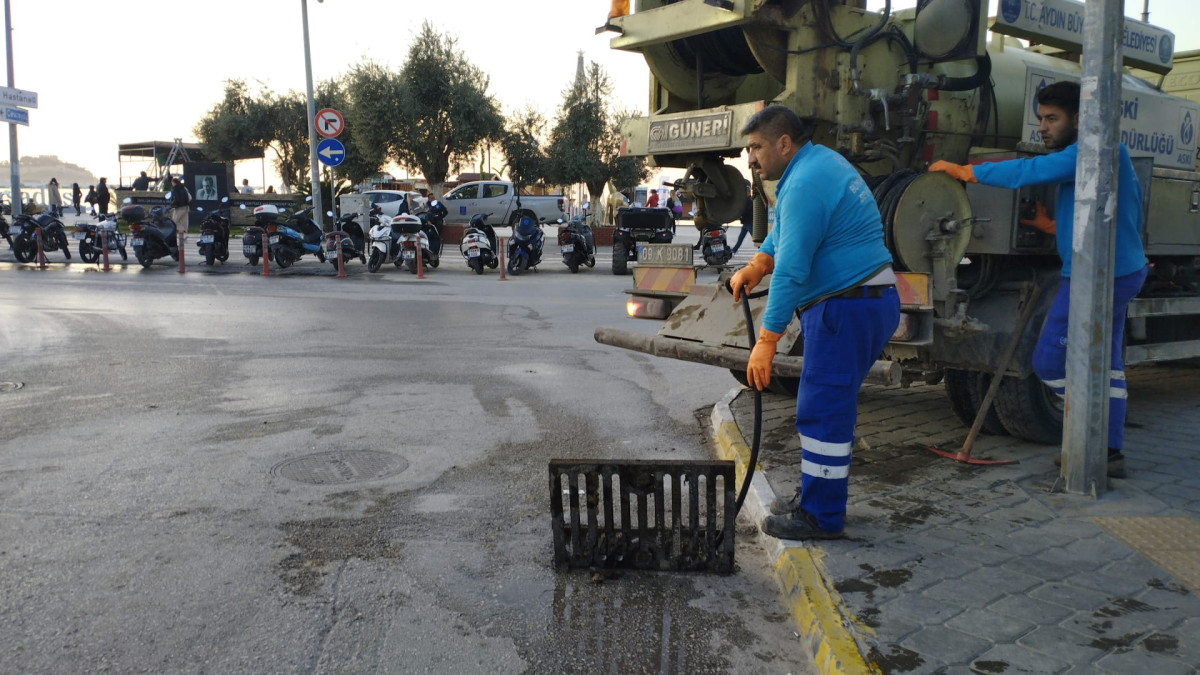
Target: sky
{"points": [[137, 70]]}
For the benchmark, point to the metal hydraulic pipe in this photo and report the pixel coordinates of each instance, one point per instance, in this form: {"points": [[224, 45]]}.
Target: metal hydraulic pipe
{"points": [[886, 373]]}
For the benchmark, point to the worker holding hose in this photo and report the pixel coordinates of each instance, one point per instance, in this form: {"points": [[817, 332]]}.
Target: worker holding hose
{"points": [[1058, 117], [829, 263]]}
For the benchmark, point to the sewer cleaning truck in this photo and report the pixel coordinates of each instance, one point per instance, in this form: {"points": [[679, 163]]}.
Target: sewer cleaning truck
{"points": [[894, 91]]}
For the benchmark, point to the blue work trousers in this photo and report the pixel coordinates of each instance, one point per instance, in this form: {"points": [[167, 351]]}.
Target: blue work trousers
{"points": [[843, 337], [1050, 355]]}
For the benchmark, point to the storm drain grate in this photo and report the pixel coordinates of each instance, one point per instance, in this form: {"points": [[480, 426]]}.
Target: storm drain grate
{"points": [[643, 514], [10, 386], [339, 468]]}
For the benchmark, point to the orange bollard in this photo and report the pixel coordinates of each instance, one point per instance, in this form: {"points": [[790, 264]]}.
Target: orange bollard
{"points": [[501, 254], [104, 249], [37, 232], [266, 263], [341, 260], [420, 261]]}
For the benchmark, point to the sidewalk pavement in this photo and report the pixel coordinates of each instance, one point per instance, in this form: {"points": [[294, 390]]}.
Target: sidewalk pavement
{"points": [[954, 568]]}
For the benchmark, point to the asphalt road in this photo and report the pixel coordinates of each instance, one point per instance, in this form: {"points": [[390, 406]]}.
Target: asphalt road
{"points": [[158, 510]]}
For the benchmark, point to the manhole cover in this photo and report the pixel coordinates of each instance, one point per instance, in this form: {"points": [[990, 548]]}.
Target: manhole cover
{"points": [[10, 386], [339, 468]]}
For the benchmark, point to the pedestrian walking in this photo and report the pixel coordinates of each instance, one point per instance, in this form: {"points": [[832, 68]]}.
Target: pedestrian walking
{"points": [[76, 195], [91, 200], [652, 200], [671, 204], [747, 219], [1058, 114], [828, 262], [180, 198], [54, 198], [103, 196]]}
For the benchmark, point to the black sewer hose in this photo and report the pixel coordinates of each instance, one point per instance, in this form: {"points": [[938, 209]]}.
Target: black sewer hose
{"points": [[756, 437]]}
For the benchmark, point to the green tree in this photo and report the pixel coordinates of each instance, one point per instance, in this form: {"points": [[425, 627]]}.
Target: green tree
{"points": [[585, 143], [444, 112], [236, 127], [522, 146]]}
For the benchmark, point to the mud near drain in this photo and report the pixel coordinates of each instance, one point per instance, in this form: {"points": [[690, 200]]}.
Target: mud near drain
{"points": [[324, 541]]}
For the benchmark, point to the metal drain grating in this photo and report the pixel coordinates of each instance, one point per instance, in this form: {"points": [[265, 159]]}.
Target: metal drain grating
{"points": [[340, 467], [643, 514], [10, 386]]}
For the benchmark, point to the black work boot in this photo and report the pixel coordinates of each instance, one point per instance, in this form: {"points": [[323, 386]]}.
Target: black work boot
{"points": [[798, 526], [1116, 463]]}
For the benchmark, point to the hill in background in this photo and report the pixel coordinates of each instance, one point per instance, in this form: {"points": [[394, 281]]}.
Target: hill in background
{"points": [[37, 171]]}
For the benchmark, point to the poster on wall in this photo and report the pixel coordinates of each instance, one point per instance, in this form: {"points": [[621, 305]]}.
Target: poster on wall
{"points": [[208, 182]]}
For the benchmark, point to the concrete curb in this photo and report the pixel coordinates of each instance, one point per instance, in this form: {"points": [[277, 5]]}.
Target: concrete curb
{"points": [[817, 611]]}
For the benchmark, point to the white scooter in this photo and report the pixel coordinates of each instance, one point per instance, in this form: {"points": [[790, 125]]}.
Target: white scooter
{"points": [[479, 244], [412, 241]]}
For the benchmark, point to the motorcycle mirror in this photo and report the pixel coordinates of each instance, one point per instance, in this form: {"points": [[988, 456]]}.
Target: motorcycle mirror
{"points": [[127, 200], [329, 213], [200, 209], [224, 200], [168, 195], [308, 198], [242, 207], [586, 204], [434, 203]]}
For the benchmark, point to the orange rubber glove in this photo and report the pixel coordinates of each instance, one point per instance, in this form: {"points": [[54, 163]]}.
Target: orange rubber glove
{"points": [[963, 172], [1041, 220], [758, 370], [748, 277]]}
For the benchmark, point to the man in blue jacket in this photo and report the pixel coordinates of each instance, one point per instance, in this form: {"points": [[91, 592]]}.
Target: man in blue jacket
{"points": [[1058, 112], [830, 264]]}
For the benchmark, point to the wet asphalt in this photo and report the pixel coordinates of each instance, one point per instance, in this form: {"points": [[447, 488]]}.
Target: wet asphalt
{"points": [[161, 434]]}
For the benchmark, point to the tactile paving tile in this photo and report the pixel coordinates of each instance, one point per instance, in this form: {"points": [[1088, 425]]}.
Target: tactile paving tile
{"points": [[1172, 542]]}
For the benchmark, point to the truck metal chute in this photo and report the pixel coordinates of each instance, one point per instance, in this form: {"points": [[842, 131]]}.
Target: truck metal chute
{"points": [[892, 92]]}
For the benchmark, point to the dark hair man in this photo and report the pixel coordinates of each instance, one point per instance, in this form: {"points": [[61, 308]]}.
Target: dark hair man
{"points": [[1058, 112], [829, 262]]}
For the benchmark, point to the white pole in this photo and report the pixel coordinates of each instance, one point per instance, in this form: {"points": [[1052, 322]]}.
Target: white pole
{"points": [[13, 155], [312, 126]]}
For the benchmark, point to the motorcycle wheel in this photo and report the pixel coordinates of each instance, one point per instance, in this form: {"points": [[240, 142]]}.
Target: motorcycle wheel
{"points": [[24, 250], [493, 262], [411, 266], [224, 254], [283, 259], [209, 257], [253, 260], [435, 262], [591, 261], [620, 258], [573, 265], [141, 258], [517, 265], [476, 265], [124, 253], [375, 261], [87, 253], [64, 245]]}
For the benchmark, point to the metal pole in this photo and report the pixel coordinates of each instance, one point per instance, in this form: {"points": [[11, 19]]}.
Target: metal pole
{"points": [[1146, 12], [15, 173], [1093, 247], [312, 127]]}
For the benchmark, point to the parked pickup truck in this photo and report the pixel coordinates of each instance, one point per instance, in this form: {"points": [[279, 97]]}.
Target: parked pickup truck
{"points": [[499, 199]]}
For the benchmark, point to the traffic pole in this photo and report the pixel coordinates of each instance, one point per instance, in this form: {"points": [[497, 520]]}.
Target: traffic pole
{"points": [[420, 260], [501, 253], [266, 263], [104, 249]]}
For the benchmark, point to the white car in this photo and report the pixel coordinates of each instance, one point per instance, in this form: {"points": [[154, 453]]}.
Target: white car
{"points": [[389, 200]]}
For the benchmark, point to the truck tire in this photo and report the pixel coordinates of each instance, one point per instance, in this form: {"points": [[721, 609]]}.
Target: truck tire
{"points": [[1029, 410], [620, 258], [966, 389]]}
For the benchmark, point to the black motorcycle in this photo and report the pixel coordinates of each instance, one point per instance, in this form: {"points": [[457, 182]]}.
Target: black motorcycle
{"points": [[353, 241], [94, 238], [24, 240], [577, 245], [214, 235], [152, 236], [525, 246], [713, 246]]}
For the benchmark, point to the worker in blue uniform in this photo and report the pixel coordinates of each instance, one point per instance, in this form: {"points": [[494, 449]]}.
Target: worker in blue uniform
{"points": [[828, 262], [1058, 113]]}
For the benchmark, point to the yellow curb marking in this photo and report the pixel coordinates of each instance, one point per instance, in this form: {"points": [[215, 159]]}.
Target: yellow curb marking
{"points": [[1171, 542]]}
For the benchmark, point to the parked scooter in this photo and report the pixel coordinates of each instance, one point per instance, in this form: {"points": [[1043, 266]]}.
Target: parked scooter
{"points": [[24, 236], [214, 234], [252, 240], [383, 240], [413, 239], [93, 238], [4, 230], [713, 246], [290, 240], [151, 237], [353, 244], [525, 248], [479, 244], [577, 245]]}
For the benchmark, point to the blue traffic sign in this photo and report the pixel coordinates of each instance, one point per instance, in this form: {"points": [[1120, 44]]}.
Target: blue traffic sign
{"points": [[331, 152], [16, 116]]}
